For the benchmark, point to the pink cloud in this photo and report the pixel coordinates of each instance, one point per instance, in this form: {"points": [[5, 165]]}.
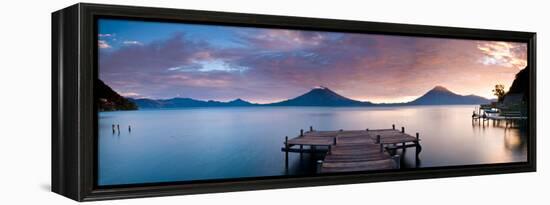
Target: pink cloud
{"points": [[504, 53], [284, 40], [103, 44]]}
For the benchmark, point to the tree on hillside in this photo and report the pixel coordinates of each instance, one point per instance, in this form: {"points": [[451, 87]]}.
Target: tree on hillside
{"points": [[499, 92]]}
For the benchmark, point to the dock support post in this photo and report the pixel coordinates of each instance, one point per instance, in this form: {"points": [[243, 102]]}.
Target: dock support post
{"points": [[286, 152], [311, 128], [417, 148], [335, 140], [301, 132], [378, 142], [397, 160], [402, 129], [319, 166], [393, 127]]}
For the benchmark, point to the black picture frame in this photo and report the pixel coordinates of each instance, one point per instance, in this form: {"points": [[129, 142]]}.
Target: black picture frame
{"points": [[74, 119]]}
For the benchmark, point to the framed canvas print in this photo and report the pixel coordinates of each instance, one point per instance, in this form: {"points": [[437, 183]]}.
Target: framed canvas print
{"points": [[155, 102]]}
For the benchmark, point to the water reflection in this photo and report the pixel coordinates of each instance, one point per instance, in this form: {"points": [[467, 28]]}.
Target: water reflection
{"points": [[513, 141], [217, 143], [515, 138]]}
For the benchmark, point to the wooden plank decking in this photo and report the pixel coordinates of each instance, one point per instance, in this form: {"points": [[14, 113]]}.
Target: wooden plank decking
{"points": [[354, 150], [311, 141]]}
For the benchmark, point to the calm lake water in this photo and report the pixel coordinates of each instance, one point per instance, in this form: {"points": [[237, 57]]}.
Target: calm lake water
{"points": [[221, 143]]}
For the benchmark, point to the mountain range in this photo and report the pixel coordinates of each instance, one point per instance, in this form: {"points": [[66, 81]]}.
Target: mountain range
{"points": [[319, 96], [440, 95], [187, 102]]}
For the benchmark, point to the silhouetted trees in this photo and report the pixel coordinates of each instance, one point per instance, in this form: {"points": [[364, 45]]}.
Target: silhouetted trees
{"points": [[499, 92]]}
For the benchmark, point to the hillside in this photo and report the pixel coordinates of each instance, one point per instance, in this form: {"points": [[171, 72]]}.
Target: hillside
{"points": [[521, 84], [109, 100]]}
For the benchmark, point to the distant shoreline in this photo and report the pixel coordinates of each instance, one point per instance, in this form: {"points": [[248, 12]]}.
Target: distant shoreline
{"points": [[262, 106]]}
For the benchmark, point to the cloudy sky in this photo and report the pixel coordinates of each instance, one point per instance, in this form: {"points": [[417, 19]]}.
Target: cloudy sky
{"points": [[165, 60]]}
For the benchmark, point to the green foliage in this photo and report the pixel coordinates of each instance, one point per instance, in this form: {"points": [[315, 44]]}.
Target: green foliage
{"points": [[499, 92]]}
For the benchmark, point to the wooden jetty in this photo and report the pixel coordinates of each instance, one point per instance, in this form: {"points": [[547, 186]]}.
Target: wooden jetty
{"points": [[484, 115], [353, 150]]}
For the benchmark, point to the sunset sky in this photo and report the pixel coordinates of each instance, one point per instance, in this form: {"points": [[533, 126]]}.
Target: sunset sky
{"points": [[165, 60]]}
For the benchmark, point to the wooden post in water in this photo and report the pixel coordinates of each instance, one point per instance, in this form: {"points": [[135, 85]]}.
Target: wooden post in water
{"points": [[311, 128], [335, 140], [301, 132], [393, 127], [402, 129], [286, 152]]}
